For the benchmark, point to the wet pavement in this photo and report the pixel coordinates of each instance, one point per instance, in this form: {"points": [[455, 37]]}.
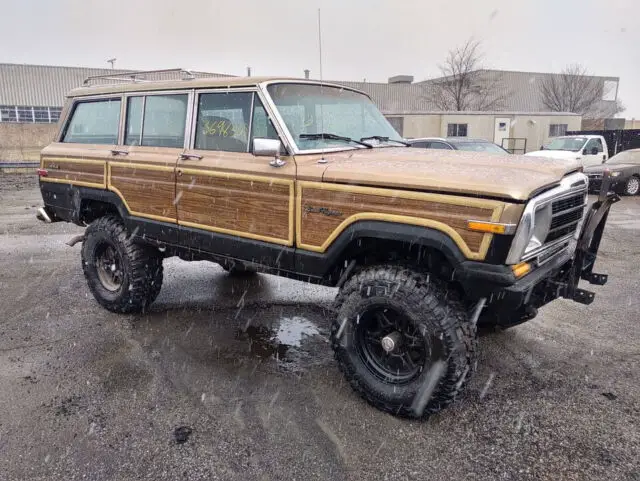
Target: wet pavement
{"points": [[233, 378]]}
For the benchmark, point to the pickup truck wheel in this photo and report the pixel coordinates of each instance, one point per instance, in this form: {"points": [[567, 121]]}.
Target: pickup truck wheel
{"points": [[632, 186], [123, 276], [402, 340]]}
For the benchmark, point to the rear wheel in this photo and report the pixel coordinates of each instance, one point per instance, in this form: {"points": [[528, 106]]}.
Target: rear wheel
{"points": [[123, 276], [402, 340], [632, 186]]}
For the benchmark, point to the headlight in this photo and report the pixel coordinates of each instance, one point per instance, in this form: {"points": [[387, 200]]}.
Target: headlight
{"points": [[541, 225], [615, 174], [532, 232]]}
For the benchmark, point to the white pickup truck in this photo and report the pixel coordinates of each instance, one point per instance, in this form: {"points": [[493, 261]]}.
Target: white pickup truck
{"points": [[586, 149]]}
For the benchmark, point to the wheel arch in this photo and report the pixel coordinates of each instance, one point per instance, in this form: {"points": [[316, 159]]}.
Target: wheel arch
{"points": [[371, 241]]}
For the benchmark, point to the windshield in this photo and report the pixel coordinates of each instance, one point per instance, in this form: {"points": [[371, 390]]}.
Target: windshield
{"points": [[480, 147], [626, 157], [573, 144], [309, 109]]}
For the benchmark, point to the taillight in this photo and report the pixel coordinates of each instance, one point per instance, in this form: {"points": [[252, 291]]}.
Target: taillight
{"points": [[43, 172]]}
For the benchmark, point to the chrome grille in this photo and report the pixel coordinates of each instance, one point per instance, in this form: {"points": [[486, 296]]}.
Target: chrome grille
{"points": [[566, 215], [567, 202]]}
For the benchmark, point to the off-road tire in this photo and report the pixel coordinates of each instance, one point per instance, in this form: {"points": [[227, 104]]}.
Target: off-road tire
{"points": [[632, 187], [428, 304], [141, 267]]}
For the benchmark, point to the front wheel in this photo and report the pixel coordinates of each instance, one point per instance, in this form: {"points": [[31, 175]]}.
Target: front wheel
{"points": [[632, 187], [403, 341], [123, 276]]}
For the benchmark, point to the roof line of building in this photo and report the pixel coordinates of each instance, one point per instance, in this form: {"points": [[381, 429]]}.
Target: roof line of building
{"points": [[482, 112], [516, 71]]}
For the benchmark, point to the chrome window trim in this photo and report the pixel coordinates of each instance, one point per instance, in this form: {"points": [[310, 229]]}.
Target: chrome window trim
{"points": [[279, 121], [567, 188]]}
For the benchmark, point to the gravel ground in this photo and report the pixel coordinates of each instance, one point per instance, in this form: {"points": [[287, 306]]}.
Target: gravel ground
{"points": [[233, 378]]}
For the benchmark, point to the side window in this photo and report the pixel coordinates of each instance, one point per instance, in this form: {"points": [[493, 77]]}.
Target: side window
{"points": [[597, 143], [261, 125], [94, 122], [223, 121], [439, 145], [156, 120], [420, 145]]}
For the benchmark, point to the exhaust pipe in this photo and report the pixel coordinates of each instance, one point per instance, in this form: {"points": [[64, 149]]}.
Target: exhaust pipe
{"points": [[43, 216], [75, 240]]}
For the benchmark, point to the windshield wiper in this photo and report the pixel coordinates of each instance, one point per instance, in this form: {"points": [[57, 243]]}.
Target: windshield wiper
{"points": [[334, 137], [382, 138]]}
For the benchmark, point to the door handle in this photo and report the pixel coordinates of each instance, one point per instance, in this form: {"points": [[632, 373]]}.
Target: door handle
{"points": [[119, 152], [190, 157]]}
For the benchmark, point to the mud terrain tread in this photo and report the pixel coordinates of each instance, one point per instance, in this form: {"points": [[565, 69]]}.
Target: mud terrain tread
{"points": [[142, 264], [419, 292]]}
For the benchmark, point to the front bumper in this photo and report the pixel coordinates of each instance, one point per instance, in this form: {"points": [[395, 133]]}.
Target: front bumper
{"points": [[560, 276]]}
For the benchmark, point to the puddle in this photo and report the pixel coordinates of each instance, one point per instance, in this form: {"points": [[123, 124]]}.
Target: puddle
{"points": [[277, 343]]}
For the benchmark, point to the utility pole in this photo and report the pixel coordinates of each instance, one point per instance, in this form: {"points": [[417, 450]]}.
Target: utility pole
{"points": [[112, 61]]}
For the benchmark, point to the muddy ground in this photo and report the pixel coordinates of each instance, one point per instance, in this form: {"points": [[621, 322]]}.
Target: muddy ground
{"points": [[233, 379]]}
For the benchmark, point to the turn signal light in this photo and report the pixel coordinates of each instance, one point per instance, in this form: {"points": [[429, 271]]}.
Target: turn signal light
{"points": [[489, 227], [521, 269]]}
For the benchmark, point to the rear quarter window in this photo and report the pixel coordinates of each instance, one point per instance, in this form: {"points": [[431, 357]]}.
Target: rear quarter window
{"points": [[94, 122]]}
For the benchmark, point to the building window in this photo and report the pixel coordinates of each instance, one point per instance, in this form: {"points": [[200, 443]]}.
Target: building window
{"points": [[8, 113], [54, 113], [28, 114], [456, 130], [556, 130]]}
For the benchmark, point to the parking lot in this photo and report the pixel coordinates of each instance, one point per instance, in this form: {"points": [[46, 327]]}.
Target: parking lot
{"points": [[233, 378]]}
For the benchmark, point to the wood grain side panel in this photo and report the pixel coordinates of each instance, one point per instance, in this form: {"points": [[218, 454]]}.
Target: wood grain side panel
{"points": [[317, 227], [257, 208], [63, 170], [146, 191]]}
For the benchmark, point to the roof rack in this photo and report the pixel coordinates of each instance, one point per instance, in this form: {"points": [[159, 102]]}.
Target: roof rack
{"points": [[134, 75]]}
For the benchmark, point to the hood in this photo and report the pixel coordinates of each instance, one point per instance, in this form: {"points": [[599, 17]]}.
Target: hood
{"points": [[555, 154], [513, 177]]}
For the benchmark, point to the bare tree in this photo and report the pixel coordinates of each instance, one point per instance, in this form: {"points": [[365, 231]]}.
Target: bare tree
{"points": [[464, 85], [574, 90]]}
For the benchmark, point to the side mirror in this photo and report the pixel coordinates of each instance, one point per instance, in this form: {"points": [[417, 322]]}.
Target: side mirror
{"points": [[268, 148], [542, 147], [584, 152], [594, 151]]}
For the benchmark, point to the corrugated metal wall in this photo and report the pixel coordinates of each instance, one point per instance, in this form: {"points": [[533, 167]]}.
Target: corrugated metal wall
{"points": [[46, 86]]}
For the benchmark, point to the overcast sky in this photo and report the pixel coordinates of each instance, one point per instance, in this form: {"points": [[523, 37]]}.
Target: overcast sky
{"points": [[372, 39]]}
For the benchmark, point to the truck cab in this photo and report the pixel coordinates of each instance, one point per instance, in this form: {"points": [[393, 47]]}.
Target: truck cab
{"points": [[585, 149]]}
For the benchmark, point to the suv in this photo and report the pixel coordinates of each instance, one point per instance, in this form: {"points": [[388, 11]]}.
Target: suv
{"points": [[308, 180], [458, 143]]}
